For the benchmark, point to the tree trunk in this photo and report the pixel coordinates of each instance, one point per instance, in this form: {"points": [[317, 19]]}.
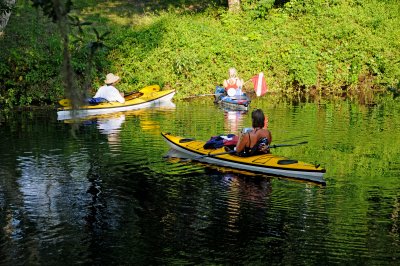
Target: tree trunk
{"points": [[4, 17], [234, 5]]}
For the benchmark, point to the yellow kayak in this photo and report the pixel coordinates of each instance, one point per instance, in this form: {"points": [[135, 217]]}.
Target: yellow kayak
{"points": [[147, 97], [264, 163]]}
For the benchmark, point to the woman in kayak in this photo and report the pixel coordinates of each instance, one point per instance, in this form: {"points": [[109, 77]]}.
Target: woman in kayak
{"points": [[257, 140], [108, 91], [233, 84]]}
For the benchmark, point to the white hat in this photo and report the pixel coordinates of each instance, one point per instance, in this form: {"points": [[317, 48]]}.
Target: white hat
{"points": [[111, 78]]}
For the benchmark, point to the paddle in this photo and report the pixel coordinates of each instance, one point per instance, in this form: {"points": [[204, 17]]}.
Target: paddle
{"points": [[233, 151], [133, 95], [137, 94], [287, 145], [64, 102], [213, 154], [200, 95], [260, 86]]}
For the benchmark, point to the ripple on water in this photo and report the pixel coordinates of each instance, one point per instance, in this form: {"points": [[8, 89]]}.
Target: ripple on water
{"points": [[98, 199]]}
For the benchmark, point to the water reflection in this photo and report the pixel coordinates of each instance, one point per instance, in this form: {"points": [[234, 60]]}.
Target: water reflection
{"points": [[242, 189], [72, 198], [47, 185], [233, 121], [110, 124], [111, 127]]}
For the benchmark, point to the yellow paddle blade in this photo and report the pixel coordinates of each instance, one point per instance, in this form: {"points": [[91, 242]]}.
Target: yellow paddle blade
{"points": [[65, 102], [151, 88]]}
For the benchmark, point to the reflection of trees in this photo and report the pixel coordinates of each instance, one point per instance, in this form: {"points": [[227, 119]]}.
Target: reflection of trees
{"points": [[77, 199], [213, 215], [46, 200], [394, 232], [236, 218], [39, 198]]}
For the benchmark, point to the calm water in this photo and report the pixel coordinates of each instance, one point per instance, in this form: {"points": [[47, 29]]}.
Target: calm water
{"points": [[101, 191]]}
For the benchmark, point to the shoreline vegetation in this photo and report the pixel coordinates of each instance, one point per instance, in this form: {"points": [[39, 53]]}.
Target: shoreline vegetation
{"points": [[320, 49]]}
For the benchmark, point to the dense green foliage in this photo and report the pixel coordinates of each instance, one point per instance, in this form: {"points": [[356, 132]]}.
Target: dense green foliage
{"points": [[314, 46]]}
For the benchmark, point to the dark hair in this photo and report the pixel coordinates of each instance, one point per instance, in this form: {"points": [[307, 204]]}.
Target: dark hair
{"points": [[257, 117]]}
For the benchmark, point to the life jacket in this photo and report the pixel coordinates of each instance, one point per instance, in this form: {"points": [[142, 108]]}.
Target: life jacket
{"points": [[234, 85]]}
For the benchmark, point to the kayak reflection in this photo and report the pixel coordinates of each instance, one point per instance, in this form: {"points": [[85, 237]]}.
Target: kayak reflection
{"points": [[110, 125], [233, 121], [71, 116], [242, 187]]}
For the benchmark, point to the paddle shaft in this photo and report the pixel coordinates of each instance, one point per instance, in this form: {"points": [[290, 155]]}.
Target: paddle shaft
{"points": [[287, 145], [233, 151], [200, 95], [214, 154]]}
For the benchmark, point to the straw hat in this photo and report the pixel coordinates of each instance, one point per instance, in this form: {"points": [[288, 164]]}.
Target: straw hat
{"points": [[111, 78]]}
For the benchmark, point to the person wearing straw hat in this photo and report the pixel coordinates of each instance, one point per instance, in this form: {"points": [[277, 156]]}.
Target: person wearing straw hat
{"points": [[108, 91]]}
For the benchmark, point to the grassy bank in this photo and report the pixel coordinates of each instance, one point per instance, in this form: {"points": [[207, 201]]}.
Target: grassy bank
{"points": [[319, 47]]}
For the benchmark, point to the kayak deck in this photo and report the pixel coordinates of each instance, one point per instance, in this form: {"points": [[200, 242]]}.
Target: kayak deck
{"points": [[264, 163]]}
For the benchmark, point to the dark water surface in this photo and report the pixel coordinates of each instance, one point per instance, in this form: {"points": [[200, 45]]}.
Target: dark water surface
{"points": [[101, 192]]}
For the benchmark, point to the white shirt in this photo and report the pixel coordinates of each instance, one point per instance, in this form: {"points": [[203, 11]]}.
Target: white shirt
{"points": [[110, 93]]}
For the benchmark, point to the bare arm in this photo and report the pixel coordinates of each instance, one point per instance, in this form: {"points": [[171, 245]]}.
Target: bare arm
{"points": [[240, 82], [269, 136]]}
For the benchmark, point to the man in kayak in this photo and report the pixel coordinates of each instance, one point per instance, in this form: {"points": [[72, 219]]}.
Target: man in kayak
{"points": [[255, 140], [233, 85], [108, 91]]}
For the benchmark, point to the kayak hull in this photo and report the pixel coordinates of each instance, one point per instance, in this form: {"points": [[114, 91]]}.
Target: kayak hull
{"points": [[148, 99], [265, 163]]}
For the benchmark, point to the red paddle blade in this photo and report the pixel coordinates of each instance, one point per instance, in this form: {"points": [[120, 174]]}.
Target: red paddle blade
{"points": [[260, 85]]}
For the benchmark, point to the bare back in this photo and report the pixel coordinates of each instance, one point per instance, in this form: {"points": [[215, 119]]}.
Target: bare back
{"points": [[248, 140]]}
